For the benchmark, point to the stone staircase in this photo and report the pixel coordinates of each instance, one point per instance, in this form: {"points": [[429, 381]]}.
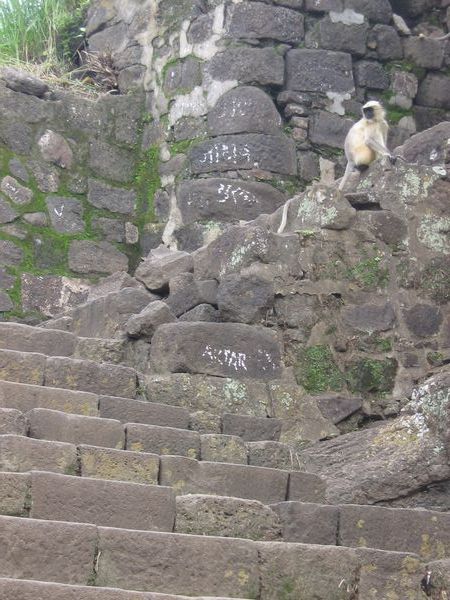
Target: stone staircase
{"points": [[106, 493]]}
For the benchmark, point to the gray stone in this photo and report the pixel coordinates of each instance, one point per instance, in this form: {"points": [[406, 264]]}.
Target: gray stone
{"points": [[222, 349], [113, 283], [226, 199], [22, 454], [245, 299], [271, 454], [215, 447], [434, 91], [372, 75], [411, 8], [149, 413], [20, 81], [423, 52], [386, 226], [149, 319], [319, 71], [261, 66], [12, 422], [111, 162], [47, 177], [202, 312], [18, 137], [226, 517], [38, 219], [379, 11], [119, 465], [7, 212], [201, 28], [102, 195], [256, 20], [307, 523], [17, 193], [183, 76], [51, 294], [427, 147], [55, 149], [307, 487], [25, 338], [112, 230], [66, 214], [423, 320], [5, 302], [61, 498], [18, 170], [187, 292], [6, 280], [328, 129], [226, 153], [251, 429], [343, 38], [388, 42], [161, 266], [14, 489], [245, 109], [162, 440], [101, 350], [86, 256], [324, 5], [10, 254], [336, 407], [205, 422], [370, 317]]}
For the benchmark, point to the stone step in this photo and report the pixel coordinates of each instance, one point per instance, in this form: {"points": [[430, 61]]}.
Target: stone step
{"points": [[85, 500], [82, 554], [56, 342], [185, 475], [16, 589], [68, 373], [48, 424]]}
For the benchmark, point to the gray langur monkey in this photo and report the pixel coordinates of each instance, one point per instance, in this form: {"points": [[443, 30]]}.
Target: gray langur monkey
{"points": [[366, 140]]}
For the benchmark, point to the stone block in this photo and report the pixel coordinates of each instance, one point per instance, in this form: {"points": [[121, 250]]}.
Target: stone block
{"points": [[14, 494], [424, 52], [145, 323], [52, 294], [16, 192], [226, 199], [202, 312], [5, 302], [294, 567], [251, 429], [226, 517], [222, 566], [215, 395], [337, 407], [271, 454], [21, 454], [319, 71], [187, 292], [23, 338], [47, 550], [307, 523], [66, 214], [387, 41], [370, 317], [75, 429], [111, 162], [22, 367], [328, 129], [372, 75], [89, 376], [12, 421], [260, 66], [423, 320], [423, 532], [260, 21], [114, 199], [10, 254], [188, 476], [86, 256], [343, 37], [25, 397], [223, 448], [205, 422], [20, 81], [111, 503], [222, 349], [379, 11], [245, 298], [161, 265], [101, 350], [121, 465], [274, 153], [150, 413], [306, 487], [7, 212], [324, 5], [162, 440]]}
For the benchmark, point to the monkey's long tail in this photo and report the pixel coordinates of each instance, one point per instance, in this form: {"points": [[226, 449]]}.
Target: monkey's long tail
{"points": [[282, 226]]}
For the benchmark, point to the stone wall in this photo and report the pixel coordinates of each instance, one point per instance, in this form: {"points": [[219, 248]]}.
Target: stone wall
{"points": [[252, 100]]}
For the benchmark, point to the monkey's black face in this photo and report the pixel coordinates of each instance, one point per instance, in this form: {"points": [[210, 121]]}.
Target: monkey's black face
{"points": [[369, 112]]}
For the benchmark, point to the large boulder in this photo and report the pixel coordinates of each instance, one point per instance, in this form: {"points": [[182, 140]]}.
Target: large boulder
{"points": [[256, 20], [428, 147], [223, 349], [319, 71], [161, 265]]}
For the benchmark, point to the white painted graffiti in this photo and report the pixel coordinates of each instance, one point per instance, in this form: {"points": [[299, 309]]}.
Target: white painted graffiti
{"points": [[224, 152], [235, 194], [238, 108], [226, 357]]}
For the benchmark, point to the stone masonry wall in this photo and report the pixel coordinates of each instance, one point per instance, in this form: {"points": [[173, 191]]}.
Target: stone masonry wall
{"points": [[251, 101]]}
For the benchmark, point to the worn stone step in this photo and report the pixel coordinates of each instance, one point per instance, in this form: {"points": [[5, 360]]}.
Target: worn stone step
{"points": [[25, 338], [57, 497], [185, 475], [137, 411], [16, 589], [48, 424], [68, 373], [81, 554], [12, 421]]}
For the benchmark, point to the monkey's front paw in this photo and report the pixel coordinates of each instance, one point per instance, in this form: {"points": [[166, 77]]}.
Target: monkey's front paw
{"points": [[392, 159]]}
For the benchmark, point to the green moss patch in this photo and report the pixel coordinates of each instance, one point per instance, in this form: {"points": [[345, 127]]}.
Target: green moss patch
{"points": [[317, 372], [372, 376]]}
